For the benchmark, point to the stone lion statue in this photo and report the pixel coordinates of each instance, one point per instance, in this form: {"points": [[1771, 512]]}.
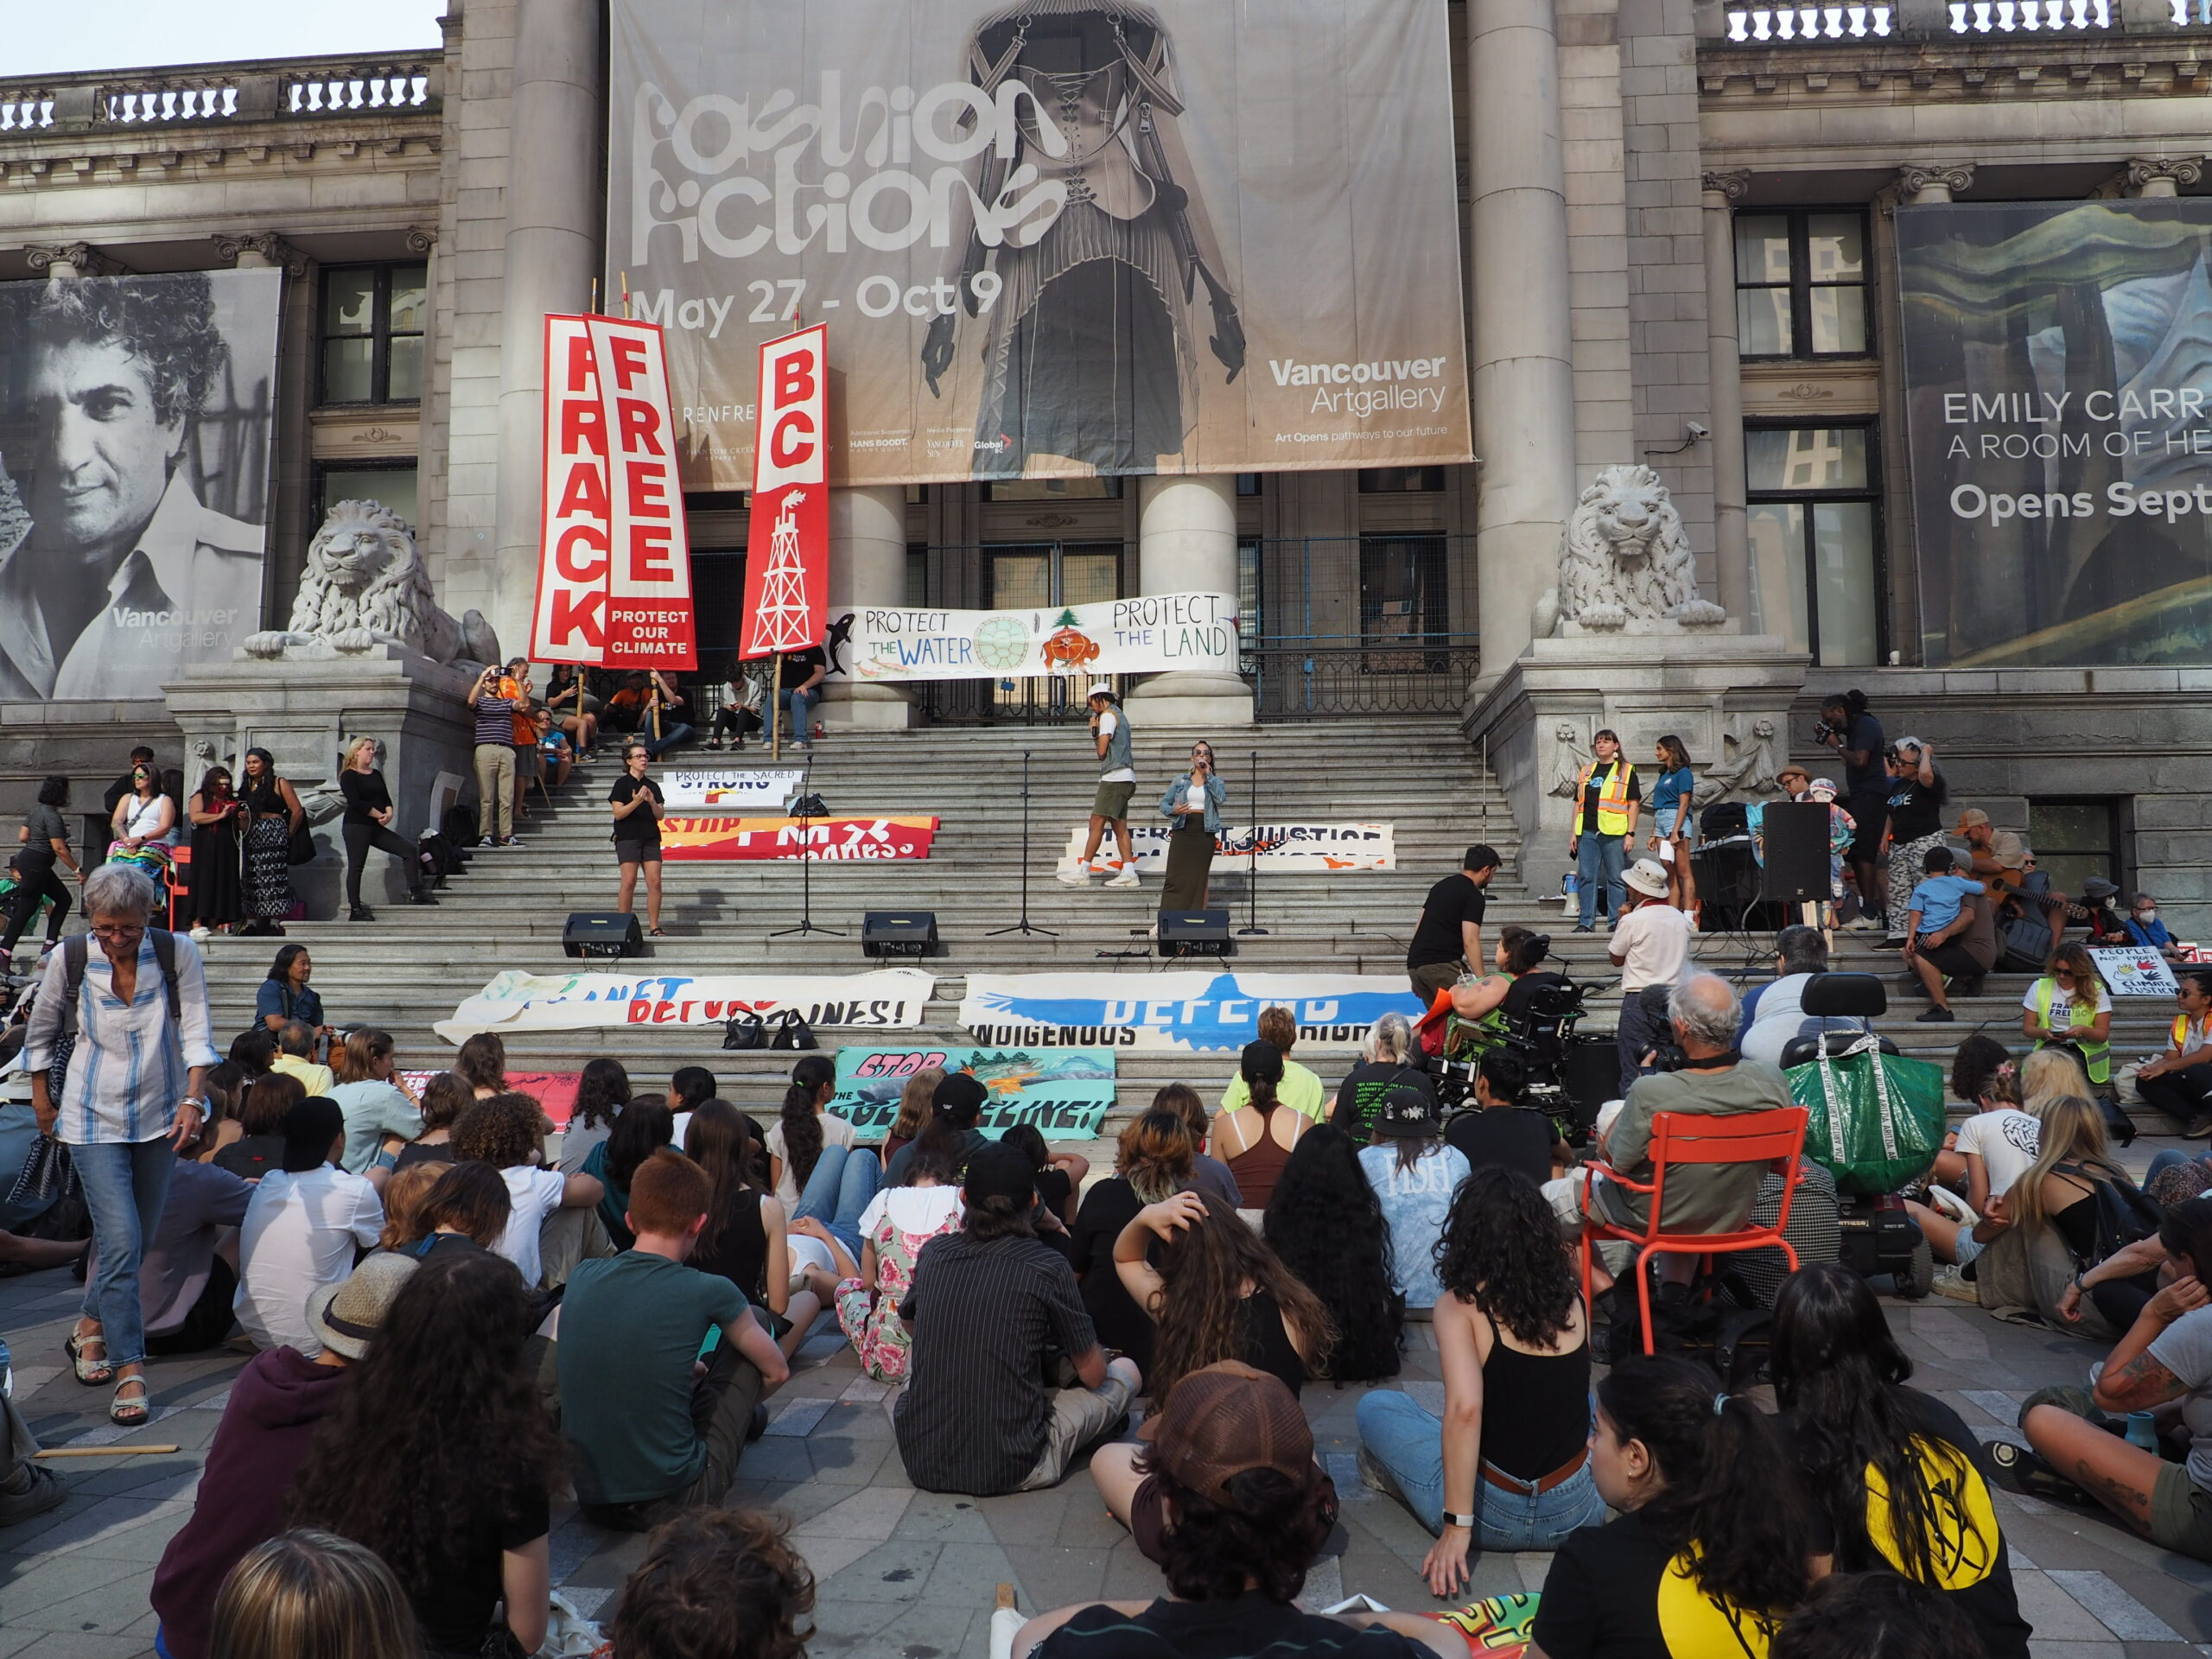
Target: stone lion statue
{"points": [[365, 586], [1624, 558]]}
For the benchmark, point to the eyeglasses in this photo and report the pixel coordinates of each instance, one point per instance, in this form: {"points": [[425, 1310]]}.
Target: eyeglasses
{"points": [[118, 931]]}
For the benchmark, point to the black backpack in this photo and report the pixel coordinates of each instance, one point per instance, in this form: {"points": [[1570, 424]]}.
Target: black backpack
{"points": [[2125, 1214]]}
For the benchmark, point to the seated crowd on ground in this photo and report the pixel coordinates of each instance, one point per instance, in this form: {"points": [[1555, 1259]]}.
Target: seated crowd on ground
{"points": [[456, 1319]]}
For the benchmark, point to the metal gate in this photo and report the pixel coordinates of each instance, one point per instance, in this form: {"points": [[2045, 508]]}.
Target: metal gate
{"points": [[1365, 625]]}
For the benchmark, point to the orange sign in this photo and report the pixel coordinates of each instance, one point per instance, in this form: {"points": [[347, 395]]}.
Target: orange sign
{"points": [[828, 840]]}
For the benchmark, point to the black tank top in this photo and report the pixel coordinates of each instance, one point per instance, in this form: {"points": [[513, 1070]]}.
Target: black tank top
{"points": [[740, 1254], [1535, 1407], [1267, 1346]]}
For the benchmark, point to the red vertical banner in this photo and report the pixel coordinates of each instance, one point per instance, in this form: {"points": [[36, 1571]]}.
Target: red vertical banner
{"points": [[649, 621], [569, 623], [787, 551]]}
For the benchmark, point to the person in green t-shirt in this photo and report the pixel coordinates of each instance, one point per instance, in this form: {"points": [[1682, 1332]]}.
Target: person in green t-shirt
{"points": [[652, 1427]]}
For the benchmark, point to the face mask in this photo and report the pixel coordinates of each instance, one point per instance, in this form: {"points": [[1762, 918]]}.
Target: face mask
{"points": [[2146, 915]]}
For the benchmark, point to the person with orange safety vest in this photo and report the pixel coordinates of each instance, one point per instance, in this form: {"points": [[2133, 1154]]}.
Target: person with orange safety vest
{"points": [[1607, 798], [2179, 1082]]}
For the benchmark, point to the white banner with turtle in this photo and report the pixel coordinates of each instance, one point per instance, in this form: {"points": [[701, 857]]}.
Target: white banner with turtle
{"points": [[1146, 634]]}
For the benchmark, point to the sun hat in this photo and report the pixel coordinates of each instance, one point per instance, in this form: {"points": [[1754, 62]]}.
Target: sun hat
{"points": [[1648, 877], [1101, 690], [347, 1315], [1789, 767], [1227, 1420]]}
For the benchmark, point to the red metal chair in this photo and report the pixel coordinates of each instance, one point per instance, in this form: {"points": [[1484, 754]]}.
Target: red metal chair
{"points": [[179, 884], [1699, 1138]]}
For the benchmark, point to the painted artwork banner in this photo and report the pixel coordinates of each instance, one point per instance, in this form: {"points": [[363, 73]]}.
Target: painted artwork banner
{"points": [[555, 1090], [1064, 1091], [2130, 972], [2058, 372], [889, 999], [135, 418], [1146, 634], [825, 840], [1285, 848], [1092, 238], [728, 789], [1190, 1012]]}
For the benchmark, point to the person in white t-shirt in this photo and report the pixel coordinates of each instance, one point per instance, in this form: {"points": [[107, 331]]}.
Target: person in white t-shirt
{"points": [[304, 1227], [1990, 1150], [508, 1132], [898, 1222], [1117, 783], [1651, 946]]}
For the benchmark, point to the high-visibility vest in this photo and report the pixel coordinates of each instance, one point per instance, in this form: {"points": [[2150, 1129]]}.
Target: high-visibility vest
{"points": [[1612, 800], [2180, 1034], [2099, 1055]]}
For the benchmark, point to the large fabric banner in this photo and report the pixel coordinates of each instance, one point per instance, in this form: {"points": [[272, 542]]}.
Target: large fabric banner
{"points": [[728, 789], [889, 999], [136, 416], [555, 1090], [1094, 236], [2058, 370], [1061, 1090], [615, 562], [1285, 848], [787, 540], [1209, 1012], [826, 840], [1143, 635]]}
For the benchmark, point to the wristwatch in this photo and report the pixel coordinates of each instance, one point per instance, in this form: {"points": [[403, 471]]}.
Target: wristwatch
{"points": [[1465, 1520]]}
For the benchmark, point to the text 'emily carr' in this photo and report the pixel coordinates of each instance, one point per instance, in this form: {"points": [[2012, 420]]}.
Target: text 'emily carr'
{"points": [[615, 579]]}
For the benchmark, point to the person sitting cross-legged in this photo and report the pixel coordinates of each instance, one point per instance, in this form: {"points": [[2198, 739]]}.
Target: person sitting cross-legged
{"points": [[989, 1304], [651, 1429], [2179, 1082]]}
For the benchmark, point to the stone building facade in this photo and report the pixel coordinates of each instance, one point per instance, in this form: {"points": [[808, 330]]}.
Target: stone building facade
{"points": [[1621, 161]]}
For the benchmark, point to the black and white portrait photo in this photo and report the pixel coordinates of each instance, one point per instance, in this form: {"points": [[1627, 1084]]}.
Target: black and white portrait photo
{"points": [[134, 426]]}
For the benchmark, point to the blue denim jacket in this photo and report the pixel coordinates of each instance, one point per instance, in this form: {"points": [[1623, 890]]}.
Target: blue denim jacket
{"points": [[1217, 793]]}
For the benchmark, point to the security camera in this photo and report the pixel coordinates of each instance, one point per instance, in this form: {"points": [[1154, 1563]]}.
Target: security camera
{"points": [[1698, 431]]}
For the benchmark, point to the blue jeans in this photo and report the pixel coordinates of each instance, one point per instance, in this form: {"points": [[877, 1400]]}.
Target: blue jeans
{"points": [[1599, 861], [844, 1180], [125, 1186], [1408, 1443], [669, 738], [798, 715]]}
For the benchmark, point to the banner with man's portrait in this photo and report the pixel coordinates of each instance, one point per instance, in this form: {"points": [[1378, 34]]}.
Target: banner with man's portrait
{"points": [[2058, 373], [136, 419], [1050, 241]]}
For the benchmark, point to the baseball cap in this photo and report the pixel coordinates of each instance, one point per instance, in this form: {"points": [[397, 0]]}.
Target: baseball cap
{"points": [[1260, 1060], [1974, 818], [347, 1315], [1227, 1420], [1101, 690], [1820, 784], [957, 1094], [999, 1171], [1648, 877], [1405, 1113], [310, 1128]]}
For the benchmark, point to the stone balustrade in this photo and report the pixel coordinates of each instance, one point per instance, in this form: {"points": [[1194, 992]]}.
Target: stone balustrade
{"points": [[207, 95], [1957, 21]]}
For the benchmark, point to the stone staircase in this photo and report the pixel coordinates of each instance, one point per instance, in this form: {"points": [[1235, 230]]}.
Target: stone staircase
{"points": [[411, 967]]}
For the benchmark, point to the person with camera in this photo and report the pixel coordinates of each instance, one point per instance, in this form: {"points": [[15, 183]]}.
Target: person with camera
{"points": [[1856, 736], [1917, 792], [494, 701], [1607, 798], [1650, 946]]}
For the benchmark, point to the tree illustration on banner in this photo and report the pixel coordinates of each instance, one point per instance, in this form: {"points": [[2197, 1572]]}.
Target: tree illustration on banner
{"points": [[787, 553]]}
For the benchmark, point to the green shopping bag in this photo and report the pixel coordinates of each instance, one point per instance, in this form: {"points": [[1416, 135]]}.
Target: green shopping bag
{"points": [[1875, 1120]]}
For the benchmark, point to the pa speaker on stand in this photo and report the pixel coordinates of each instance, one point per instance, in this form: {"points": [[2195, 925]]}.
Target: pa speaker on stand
{"points": [[1797, 870]]}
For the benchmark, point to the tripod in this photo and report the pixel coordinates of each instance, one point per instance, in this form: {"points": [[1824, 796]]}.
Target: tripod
{"points": [[807, 808], [1252, 927], [1025, 926]]}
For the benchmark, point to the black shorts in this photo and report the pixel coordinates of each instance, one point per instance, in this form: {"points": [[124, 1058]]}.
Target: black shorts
{"points": [[637, 852], [1871, 814], [1953, 960]]}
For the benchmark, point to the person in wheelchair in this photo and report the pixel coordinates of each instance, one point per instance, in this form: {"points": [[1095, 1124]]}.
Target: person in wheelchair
{"points": [[1483, 1009]]}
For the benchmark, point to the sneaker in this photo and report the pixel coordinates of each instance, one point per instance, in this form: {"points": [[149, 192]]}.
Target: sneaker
{"points": [[2198, 1127], [1950, 1283], [1890, 944], [713, 746], [42, 1489], [421, 898], [1861, 925], [1584, 927], [1075, 874], [511, 841], [488, 843], [200, 934], [360, 914], [1126, 878], [1937, 1017]]}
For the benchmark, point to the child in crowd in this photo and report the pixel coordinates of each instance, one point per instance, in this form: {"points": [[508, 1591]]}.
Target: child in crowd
{"points": [[1936, 915]]}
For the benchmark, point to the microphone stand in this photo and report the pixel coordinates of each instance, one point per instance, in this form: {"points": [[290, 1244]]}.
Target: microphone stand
{"points": [[806, 800], [1025, 926], [1252, 927]]}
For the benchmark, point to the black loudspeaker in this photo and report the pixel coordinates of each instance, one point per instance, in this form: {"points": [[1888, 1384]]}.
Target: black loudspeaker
{"points": [[1797, 834], [1722, 820], [899, 933], [602, 933], [1194, 933], [1727, 873]]}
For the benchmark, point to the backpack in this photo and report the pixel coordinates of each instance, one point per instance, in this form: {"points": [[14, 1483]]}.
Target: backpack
{"points": [[2027, 943], [459, 825], [439, 858], [2124, 1214]]}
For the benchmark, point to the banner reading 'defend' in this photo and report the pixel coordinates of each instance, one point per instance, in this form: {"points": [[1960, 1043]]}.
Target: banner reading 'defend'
{"points": [[1141, 635], [615, 562], [1208, 1013], [1283, 847], [889, 999], [1085, 238], [1061, 1090]]}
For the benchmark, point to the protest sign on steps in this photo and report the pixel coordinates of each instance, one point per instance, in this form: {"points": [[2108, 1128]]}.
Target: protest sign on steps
{"points": [[828, 840], [1064, 1091], [728, 789], [889, 999], [1204, 1013], [1284, 848]]}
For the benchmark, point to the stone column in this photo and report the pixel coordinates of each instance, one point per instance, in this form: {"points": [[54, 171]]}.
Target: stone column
{"points": [[1933, 182], [2161, 178], [1186, 543], [867, 566], [1730, 544], [552, 252], [66, 262], [1524, 373], [261, 251]]}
